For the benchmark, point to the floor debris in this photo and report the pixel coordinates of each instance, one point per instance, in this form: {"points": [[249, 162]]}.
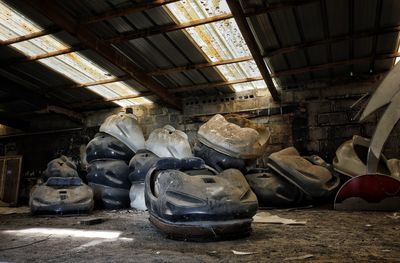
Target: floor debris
{"points": [[14, 210], [92, 221], [298, 258], [242, 253], [394, 216], [268, 218]]}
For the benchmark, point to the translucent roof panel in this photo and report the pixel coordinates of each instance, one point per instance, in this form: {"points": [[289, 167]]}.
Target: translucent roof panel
{"points": [[219, 40], [72, 65]]}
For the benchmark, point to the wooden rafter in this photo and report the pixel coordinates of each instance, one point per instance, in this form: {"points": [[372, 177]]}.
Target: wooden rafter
{"points": [[241, 21], [164, 29], [94, 83], [14, 61], [335, 64], [139, 7], [46, 31], [61, 18], [198, 66], [276, 6], [331, 40], [213, 85]]}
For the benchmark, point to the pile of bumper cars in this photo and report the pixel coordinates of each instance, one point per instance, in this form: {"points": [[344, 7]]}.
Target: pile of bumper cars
{"points": [[63, 191], [108, 155]]}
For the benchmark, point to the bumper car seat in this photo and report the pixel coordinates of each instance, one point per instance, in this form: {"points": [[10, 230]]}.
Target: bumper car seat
{"points": [[60, 167]]}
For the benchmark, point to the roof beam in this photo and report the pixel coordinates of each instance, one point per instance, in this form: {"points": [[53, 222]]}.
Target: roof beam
{"points": [[46, 31], [331, 40], [159, 72], [276, 6], [244, 27], [199, 66], [139, 7], [104, 100], [213, 85], [164, 29], [19, 60], [88, 38], [336, 64], [94, 83], [173, 27], [13, 122]]}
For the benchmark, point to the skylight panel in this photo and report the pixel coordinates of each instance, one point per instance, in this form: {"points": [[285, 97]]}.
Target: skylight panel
{"points": [[72, 65], [219, 40]]}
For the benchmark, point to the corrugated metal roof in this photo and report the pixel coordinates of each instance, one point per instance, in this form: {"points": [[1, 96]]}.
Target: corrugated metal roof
{"points": [[72, 65]]}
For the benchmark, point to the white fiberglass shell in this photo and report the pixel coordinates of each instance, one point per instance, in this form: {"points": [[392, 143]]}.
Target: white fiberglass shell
{"points": [[125, 127], [169, 142]]}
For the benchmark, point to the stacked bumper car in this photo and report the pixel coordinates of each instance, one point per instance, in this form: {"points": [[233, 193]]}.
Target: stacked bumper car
{"points": [[230, 142], [189, 201], [108, 155], [63, 191], [163, 142]]}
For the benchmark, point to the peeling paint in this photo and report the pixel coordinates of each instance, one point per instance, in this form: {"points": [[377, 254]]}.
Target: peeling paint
{"points": [[219, 40]]}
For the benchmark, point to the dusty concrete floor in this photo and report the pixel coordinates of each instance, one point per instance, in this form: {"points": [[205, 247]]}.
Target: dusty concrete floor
{"points": [[329, 236]]}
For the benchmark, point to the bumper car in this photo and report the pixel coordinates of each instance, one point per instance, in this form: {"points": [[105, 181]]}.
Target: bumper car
{"points": [[104, 146], [273, 190], [60, 167], [169, 142], [311, 175], [234, 136], [124, 127], [138, 168], [217, 160], [61, 195], [189, 201], [374, 190], [109, 180]]}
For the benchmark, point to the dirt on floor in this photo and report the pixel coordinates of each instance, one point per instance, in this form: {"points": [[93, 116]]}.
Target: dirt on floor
{"points": [[128, 236]]}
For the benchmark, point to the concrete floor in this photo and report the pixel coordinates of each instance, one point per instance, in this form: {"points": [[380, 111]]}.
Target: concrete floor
{"points": [[127, 236]]}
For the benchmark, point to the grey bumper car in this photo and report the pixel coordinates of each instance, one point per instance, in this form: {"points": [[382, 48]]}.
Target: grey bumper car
{"points": [[273, 190], [188, 201], [109, 180], [138, 168], [234, 136], [125, 127], [61, 195], [105, 146], [60, 167], [217, 160], [351, 159], [311, 175], [169, 142]]}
